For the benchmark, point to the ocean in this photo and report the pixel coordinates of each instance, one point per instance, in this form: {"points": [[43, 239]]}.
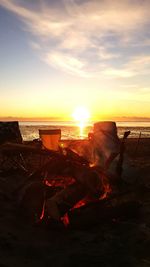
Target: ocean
{"points": [[69, 130]]}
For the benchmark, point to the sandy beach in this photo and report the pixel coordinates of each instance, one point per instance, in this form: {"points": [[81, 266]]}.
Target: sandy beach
{"points": [[115, 243]]}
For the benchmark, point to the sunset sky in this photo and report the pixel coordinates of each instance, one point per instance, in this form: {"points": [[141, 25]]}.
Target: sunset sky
{"points": [[57, 55]]}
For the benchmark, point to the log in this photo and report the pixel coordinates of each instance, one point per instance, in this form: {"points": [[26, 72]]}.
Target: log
{"points": [[31, 200], [102, 212], [64, 200]]}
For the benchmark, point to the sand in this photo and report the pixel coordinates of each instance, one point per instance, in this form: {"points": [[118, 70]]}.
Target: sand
{"points": [[113, 243]]}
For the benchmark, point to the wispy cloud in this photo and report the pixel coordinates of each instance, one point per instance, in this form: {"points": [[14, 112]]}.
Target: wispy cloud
{"points": [[69, 63], [88, 38]]}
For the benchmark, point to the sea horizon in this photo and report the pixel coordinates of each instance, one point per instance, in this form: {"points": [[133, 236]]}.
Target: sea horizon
{"points": [[70, 129], [90, 123]]}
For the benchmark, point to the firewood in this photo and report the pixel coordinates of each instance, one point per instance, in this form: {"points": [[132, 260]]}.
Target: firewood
{"points": [[64, 200], [103, 212]]}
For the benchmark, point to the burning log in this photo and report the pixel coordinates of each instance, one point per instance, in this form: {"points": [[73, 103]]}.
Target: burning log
{"points": [[88, 183], [64, 200]]}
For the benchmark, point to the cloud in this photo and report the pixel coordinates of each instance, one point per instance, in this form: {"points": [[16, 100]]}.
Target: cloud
{"points": [[139, 65], [69, 63], [121, 73], [87, 38]]}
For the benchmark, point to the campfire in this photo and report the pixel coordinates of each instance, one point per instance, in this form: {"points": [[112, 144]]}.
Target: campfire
{"points": [[79, 181]]}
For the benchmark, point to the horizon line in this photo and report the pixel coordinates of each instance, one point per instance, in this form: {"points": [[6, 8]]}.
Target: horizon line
{"points": [[47, 119]]}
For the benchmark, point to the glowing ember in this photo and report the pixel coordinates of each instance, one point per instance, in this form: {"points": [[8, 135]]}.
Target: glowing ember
{"points": [[65, 220], [59, 181], [43, 211], [107, 191], [79, 204]]}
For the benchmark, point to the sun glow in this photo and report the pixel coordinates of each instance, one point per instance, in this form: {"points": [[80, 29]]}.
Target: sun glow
{"points": [[81, 115]]}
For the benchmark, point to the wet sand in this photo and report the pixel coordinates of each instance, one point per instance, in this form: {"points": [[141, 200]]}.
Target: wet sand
{"points": [[114, 243]]}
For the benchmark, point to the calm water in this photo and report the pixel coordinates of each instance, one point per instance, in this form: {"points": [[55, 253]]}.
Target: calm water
{"points": [[30, 130]]}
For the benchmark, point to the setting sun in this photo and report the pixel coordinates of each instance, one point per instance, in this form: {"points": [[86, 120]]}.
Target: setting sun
{"points": [[81, 115]]}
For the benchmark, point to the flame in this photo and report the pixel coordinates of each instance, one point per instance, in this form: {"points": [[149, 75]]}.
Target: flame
{"points": [[107, 190]]}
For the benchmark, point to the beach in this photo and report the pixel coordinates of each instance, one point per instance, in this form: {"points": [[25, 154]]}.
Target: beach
{"points": [[122, 242]]}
